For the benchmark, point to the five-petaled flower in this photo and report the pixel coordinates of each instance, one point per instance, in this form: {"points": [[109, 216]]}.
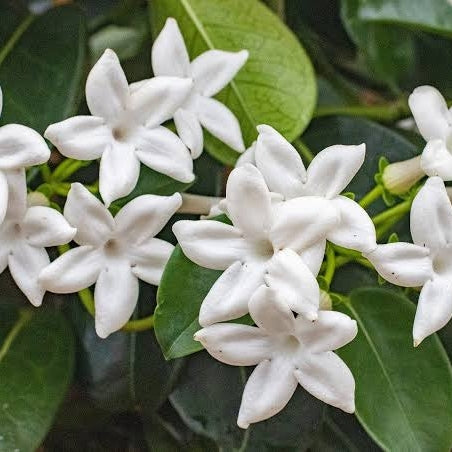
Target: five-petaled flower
{"points": [[113, 253], [287, 351], [24, 234], [125, 128], [211, 72]]}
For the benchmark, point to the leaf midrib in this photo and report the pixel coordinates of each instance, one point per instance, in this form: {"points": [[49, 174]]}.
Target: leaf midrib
{"points": [[385, 374], [24, 317]]}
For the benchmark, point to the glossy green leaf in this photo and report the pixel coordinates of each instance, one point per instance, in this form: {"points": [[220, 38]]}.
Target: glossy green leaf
{"points": [[36, 365], [403, 394], [41, 66], [208, 397], [277, 84]]}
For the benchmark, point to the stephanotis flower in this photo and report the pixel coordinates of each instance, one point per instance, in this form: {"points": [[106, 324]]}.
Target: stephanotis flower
{"points": [[211, 72], [20, 147], [125, 128], [287, 351], [24, 234], [427, 262], [327, 176], [113, 253], [281, 245]]}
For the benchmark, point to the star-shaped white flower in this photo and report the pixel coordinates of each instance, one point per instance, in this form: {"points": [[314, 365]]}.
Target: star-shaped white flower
{"points": [[20, 147], [282, 245], [24, 234], [211, 72], [328, 175], [125, 128], [113, 253], [287, 351], [427, 262], [434, 121]]}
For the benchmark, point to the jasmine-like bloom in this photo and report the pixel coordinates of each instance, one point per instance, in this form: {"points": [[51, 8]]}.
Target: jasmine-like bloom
{"points": [[125, 129], [24, 234], [282, 245], [427, 262], [287, 351], [211, 72], [20, 147], [328, 175], [113, 253], [434, 121]]}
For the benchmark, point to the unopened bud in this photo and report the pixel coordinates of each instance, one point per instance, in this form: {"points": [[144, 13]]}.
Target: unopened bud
{"points": [[325, 301], [399, 177], [36, 198]]}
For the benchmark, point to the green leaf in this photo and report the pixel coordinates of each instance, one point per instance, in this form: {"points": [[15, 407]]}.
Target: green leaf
{"points": [[36, 365], [276, 86], [41, 67], [208, 397], [403, 394]]}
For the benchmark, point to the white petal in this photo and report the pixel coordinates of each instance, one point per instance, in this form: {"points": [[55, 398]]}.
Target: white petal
{"points": [[430, 112], [237, 345], [21, 147], [436, 160], [270, 312], [331, 331], [118, 173], [74, 270], [148, 260], [279, 162], [190, 131], [267, 391], [80, 137], [45, 227], [96, 224], [313, 256], [145, 216], [107, 91], [163, 151], [431, 216], [25, 264], [115, 297], [434, 308], [210, 243], [302, 222], [249, 156], [229, 296], [355, 230], [158, 98], [293, 283], [17, 194], [169, 54], [220, 122], [4, 189], [332, 169], [214, 69], [328, 378], [403, 264], [249, 202]]}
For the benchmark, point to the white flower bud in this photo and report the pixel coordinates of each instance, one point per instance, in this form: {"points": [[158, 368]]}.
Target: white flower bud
{"points": [[399, 177]]}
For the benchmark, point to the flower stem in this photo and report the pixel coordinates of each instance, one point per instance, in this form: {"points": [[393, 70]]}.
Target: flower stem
{"points": [[146, 323], [395, 212], [371, 196], [303, 150], [66, 168], [330, 264], [197, 204]]}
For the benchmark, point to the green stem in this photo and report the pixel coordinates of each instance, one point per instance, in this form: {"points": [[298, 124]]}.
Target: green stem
{"points": [[146, 323], [303, 150], [24, 317], [66, 168], [371, 196], [330, 264], [394, 212], [14, 38], [45, 172]]}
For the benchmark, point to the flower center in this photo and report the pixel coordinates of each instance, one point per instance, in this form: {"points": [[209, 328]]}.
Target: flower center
{"points": [[112, 247], [263, 249], [291, 344], [442, 262], [119, 133]]}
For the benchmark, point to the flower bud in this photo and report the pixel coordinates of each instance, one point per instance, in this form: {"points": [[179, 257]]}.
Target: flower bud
{"points": [[36, 198], [325, 301], [399, 177]]}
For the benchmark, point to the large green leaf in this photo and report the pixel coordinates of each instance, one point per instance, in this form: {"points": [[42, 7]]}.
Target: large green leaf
{"points": [[277, 84], [36, 365], [208, 396], [41, 65], [403, 394]]}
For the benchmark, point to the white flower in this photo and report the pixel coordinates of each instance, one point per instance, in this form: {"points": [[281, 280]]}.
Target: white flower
{"points": [[113, 253], [434, 121], [287, 351], [20, 147], [125, 128], [25, 233], [328, 175], [280, 244], [211, 72], [427, 262]]}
